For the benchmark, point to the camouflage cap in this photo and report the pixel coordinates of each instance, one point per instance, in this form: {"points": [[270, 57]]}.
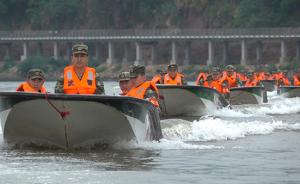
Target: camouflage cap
{"points": [[250, 73], [35, 74], [80, 49], [135, 70], [230, 67], [163, 73], [124, 76], [173, 66], [215, 70]]}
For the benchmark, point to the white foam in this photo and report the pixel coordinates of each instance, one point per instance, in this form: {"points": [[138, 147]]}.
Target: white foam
{"points": [[163, 144], [227, 112], [272, 94], [282, 106], [218, 129]]}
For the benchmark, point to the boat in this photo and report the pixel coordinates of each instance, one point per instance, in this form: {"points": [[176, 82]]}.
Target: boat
{"points": [[248, 95], [76, 121], [188, 102], [269, 85], [289, 91]]}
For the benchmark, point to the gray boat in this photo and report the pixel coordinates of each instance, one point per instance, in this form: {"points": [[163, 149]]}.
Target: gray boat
{"points": [[247, 95], [270, 85], [188, 102], [76, 121], [289, 91]]}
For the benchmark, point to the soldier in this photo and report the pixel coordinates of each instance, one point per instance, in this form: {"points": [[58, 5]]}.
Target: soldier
{"points": [[252, 80], [78, 78], [125, 83], [142, 88], [296, 78], [231, 76], [173, 77], [159, 77], [35, 82]]}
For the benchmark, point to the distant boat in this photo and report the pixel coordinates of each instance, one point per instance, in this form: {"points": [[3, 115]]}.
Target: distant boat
{"points": [[247, 95], [289, 91], [269, 85], [75, 121], [188, 102]]}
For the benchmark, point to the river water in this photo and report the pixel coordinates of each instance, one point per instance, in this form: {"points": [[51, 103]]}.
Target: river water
{"points": [[246, 144]]}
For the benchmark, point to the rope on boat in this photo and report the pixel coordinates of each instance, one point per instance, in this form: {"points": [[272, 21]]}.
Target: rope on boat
{"points": [[62, 114]]}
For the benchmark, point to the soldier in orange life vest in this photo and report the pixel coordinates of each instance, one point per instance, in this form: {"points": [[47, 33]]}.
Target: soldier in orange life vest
{"points": [[218, 83], [173, 77], [282, 79], [35, 82], [125, 83], [231, 76], [159, 77], [252, 80], [296, 78], [202, 77], [142, 88], [78, 78], [242, 76]]}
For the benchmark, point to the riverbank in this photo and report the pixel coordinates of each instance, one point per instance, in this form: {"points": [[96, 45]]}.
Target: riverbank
{"points": [[110, 72]]}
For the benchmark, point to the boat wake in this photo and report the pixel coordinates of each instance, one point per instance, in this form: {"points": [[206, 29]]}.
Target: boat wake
{"points": [[282, 106], [164, 144], [215, 129]]}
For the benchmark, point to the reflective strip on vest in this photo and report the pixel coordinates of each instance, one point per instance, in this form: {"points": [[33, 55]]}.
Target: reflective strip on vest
{"points": [[90, 75], [69, 75]]}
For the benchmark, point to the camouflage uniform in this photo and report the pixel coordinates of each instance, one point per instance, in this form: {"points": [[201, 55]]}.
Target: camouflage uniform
{"points": [[76, 49], [59, 87], [135, 70]]}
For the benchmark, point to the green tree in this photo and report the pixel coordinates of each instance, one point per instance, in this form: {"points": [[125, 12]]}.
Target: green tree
{"points": [[54, 14]]}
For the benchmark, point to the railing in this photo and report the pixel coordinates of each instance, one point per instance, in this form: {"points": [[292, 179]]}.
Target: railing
{"points": [[155, 34]]}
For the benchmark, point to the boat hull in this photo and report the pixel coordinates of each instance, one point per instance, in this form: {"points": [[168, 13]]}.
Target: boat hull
{"points": [[247, 95], [289, 91], [269, 85], [73, 122], [188, 102]]}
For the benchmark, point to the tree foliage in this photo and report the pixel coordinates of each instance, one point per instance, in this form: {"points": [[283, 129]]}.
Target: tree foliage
{"points": [[110, 14]]}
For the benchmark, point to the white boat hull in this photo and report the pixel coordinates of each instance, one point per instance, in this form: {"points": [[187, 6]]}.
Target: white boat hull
{"points": [[86, 123]]}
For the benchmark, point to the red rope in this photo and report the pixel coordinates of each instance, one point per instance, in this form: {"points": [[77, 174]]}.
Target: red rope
{"points": [[62, 114]]}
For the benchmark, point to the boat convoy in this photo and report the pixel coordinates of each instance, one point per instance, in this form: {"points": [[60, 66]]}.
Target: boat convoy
{"points": [[79, 115], [74, 121]]}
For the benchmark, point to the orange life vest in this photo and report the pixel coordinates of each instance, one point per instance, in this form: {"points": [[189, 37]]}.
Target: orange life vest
{"points": [[73, 85], [272, 77], [176, 81], [296, 80], [282, 78], [27, 88], [232, 80], [202, 76], [156, 79], [242, 76], [139, 92], [206, 84], [251, 83], [217, 85], [262, 76]]}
